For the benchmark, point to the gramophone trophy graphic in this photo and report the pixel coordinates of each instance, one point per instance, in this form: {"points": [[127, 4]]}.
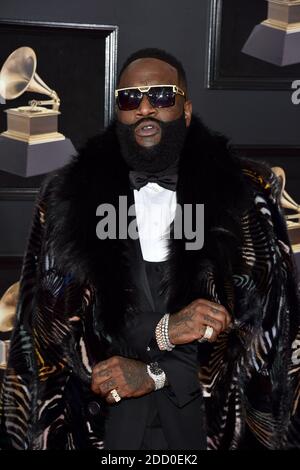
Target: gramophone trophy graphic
{"points": [[8, 306], [277, 39], [31, 145], [288, 203]]}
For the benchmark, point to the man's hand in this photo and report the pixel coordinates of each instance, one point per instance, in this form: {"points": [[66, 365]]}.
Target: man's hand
{"points": [[128, 376], [189, 324]]}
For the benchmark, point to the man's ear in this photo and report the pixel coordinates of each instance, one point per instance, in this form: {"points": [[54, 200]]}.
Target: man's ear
{"points": [[188, 108]]}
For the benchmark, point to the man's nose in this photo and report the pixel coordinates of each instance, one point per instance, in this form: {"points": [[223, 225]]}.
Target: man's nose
{"points": [[145, 108]]}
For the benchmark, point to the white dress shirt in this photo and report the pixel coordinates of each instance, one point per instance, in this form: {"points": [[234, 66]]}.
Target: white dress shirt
{"points": [[155, 211]]}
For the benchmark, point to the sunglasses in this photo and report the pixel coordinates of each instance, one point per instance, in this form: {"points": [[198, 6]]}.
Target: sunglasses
{"points": [[159, 96]]}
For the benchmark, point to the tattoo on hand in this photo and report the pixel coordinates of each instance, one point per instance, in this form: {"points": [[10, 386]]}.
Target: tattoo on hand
{"points": [[181, 325], [133, 375], [109, 385], [209, 320], [214, 310]]}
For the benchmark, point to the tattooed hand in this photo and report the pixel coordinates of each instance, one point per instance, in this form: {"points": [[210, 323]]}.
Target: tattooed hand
{"points": [[189, 324], [128, 376]]}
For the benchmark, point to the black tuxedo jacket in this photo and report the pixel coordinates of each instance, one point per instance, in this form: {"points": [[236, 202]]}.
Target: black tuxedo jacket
{"points": [[179, 405]]}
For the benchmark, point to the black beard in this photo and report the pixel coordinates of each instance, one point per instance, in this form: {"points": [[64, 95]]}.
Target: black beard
{"points": [[163, 156]]}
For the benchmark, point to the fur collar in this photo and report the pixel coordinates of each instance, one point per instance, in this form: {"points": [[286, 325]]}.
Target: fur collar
{"points": [[209, 173]]}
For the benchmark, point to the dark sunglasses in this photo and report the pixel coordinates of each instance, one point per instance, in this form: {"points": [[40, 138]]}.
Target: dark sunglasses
{"points": [[159, 96]]}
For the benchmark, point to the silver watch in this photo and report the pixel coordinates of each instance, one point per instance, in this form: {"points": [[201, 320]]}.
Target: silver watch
{"points": [[157, 374]]}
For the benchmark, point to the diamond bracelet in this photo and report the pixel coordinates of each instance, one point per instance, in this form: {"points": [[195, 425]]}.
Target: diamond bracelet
{"points": [[162, 334]]}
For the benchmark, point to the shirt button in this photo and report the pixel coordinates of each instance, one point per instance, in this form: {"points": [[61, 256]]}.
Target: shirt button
{"points": [[94, 408], [148, 348]]}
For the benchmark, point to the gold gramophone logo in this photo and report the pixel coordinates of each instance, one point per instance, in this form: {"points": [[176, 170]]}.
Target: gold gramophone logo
{"points": [[284, 15], [33, 123], [277, 38], [288, 203]]}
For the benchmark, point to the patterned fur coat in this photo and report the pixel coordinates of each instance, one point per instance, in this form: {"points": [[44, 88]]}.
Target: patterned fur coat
{"points": [[76, 290]]}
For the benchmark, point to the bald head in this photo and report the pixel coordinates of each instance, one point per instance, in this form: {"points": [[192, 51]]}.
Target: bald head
{"points": [[159, 54], [149, 71]]}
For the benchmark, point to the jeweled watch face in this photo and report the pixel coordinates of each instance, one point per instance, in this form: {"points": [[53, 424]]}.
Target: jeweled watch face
{"points": [[154, 368]]}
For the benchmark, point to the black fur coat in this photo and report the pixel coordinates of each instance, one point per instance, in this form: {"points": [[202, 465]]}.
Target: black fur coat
{"points": [[77, 289]]}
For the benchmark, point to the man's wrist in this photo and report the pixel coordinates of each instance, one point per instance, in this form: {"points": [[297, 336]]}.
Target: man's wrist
{"points": [[157, 375]]}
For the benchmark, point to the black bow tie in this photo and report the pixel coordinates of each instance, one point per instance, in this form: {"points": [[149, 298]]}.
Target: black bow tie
{"points": [[138, 180]]}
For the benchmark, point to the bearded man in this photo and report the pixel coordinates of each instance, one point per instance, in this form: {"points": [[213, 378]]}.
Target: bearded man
{"points": [[148, 342]]}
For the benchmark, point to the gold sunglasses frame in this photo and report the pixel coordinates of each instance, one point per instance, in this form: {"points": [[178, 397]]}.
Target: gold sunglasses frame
{"points": [[145, 89]]}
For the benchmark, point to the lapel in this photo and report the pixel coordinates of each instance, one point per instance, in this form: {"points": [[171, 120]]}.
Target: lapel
{"points": [[137, 264]]}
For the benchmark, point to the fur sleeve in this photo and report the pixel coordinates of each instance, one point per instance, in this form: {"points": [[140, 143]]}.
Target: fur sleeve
{"points": [[48, 370], [251, 375]]}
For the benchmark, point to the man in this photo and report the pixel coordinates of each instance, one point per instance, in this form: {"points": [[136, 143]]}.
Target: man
{"points": [[119, 341]]}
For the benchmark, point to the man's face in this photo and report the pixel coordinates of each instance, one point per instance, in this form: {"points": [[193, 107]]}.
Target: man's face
{"points": [[146, 72]]}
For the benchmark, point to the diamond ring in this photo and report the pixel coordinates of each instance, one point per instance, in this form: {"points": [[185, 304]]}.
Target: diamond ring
{"points": [[207, 334], [115, 395]]}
